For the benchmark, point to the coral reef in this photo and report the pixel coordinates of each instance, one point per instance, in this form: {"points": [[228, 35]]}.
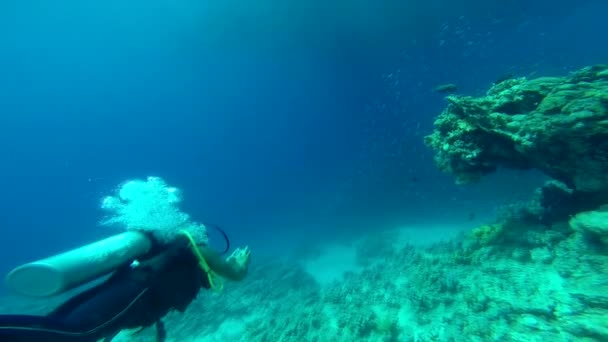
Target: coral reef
{"points": [[593, 224], [558, 125], [557, 292]]}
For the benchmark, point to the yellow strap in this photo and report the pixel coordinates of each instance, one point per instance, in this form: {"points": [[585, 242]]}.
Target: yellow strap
{"points": [[211, 276]]}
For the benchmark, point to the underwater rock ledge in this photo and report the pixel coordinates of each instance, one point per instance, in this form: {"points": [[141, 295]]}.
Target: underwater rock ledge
{"points": [[558, 125]]}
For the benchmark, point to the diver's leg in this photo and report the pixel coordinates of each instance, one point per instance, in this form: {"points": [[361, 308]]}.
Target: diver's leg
{"points": [[99, 311], [161, 333], [26, 328], [109, 338]]}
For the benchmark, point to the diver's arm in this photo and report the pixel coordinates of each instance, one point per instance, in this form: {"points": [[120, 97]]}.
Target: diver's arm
{"points": [[233, 268]]}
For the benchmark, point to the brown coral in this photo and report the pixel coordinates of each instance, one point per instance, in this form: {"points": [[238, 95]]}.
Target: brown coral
{"points": [[558, 125]]}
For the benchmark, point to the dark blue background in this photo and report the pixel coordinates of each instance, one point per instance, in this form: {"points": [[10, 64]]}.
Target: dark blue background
{"points": [[282, 120]]}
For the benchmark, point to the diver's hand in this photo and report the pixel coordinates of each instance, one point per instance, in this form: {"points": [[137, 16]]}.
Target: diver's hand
{"points": [[239, 259]]}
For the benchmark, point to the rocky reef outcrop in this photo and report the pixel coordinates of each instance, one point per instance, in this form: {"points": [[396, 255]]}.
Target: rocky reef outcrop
{"points": [[558, 125]]}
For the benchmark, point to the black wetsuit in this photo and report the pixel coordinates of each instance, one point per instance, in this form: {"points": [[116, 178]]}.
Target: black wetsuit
{"points": [[133, 297]]}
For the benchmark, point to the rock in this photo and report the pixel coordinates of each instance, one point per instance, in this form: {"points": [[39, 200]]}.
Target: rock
{"points": [[590, 325], [558, 125], [593, 224], [541, 255]]}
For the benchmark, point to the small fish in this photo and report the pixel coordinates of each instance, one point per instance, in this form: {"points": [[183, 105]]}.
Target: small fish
{"points": [[447, 88], [471, 216]]}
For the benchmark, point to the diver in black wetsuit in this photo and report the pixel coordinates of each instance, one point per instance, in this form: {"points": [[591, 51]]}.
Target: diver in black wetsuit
{"points": [[137, 295]]}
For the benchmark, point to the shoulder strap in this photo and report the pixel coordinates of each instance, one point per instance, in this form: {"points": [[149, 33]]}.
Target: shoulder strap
{"points": [[214, 281]]}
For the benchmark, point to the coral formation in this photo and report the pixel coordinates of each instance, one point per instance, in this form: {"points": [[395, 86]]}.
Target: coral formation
{"points": [[593, 224], [558, 125], [487, 233]]}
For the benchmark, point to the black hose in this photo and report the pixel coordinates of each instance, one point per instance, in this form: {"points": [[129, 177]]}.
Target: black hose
{"points": [[219, 229]]}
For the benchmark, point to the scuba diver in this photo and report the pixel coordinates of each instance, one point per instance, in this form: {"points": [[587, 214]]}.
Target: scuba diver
{"points": [[138, 293]]}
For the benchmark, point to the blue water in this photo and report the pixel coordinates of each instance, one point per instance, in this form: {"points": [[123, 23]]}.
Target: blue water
{"points": [[283, 121]]}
